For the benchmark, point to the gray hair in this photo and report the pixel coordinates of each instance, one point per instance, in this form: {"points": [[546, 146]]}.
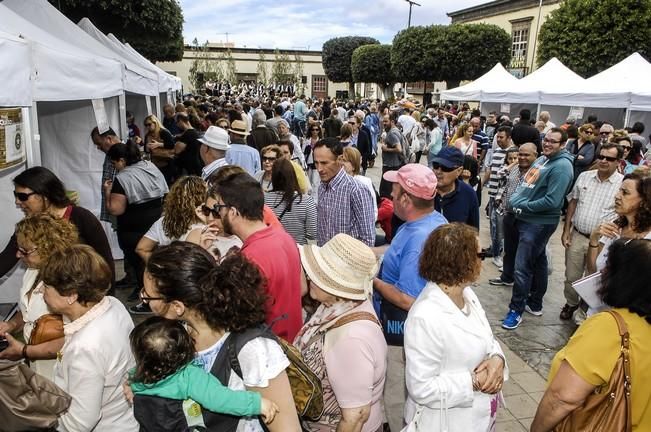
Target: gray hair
{"points": [[259, 118]]}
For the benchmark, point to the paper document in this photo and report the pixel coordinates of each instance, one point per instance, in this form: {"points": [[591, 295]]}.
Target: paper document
{"points": [[587, 288]]}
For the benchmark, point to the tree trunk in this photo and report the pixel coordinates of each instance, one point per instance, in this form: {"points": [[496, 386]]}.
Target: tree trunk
{"points": [[452, 84], [351, 90]]}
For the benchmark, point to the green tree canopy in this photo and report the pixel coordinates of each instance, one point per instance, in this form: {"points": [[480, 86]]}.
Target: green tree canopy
{"points": [[372, 64], [153, 27], [281, 69], [336, 57], [590, 36], [449, 53]]}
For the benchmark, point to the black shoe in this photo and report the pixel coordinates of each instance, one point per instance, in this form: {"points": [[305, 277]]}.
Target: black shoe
{"points": [[140, 309], [499, 282], [488, 252], [567, 311]]}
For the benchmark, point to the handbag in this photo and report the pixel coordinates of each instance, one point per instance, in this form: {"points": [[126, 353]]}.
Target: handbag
{"points": [[48, 327], [29, 401], [609, 407]]}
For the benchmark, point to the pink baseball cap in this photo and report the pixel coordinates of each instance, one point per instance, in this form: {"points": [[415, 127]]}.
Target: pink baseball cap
{"points": [[418, 180]]}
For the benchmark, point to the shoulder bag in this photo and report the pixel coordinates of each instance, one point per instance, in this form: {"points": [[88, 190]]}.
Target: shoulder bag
{"points": [[48, 327], [609, 407]]}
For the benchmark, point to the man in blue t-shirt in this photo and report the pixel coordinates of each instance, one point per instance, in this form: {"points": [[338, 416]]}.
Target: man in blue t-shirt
{"points": [[413, 191]]}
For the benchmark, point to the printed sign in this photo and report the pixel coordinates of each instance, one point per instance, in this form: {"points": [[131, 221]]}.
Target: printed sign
{"points": [[12, 139], [505, 108], [100, 115], [576, 112]]}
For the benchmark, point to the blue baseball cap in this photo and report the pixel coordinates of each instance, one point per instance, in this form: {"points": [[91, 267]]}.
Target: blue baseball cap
{"points": [[449, 157]]}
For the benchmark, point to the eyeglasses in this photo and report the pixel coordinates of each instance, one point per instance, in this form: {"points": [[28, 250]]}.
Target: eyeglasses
{"points": [[627, 147], [146, 299], [214, 210], [437, 166], [23, 196], [268, 159], [25, 252], [608, 158], [482, 255], [604, 133], [547, 140]]}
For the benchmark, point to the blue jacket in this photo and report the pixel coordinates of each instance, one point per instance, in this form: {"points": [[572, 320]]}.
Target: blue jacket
{"points": [[460, 205], [539, 198]]}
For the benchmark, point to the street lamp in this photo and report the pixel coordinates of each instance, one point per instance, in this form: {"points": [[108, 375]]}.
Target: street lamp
{"points": [[411, 3]]}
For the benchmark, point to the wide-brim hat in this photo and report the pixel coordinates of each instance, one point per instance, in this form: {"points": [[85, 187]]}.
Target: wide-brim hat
{"points": [[238, 127], [216, 137], [344, 267]]}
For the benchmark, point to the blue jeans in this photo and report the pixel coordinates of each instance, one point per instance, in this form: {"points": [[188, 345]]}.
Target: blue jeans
{"points": [[530, 275], [497, 229], [510, 246]]}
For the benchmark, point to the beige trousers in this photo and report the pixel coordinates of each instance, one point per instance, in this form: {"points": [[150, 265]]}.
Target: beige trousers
{"points": [[575, 262]]}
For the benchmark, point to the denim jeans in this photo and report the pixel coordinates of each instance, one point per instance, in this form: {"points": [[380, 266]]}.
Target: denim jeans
{"points": [[497, 228], [530, 275], [510, 246]]}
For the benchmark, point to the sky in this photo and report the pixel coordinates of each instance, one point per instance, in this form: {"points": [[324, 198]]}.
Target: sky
{"points": [[307, 24]]}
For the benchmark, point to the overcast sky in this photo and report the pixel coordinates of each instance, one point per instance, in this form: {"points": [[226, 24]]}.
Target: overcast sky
{"points": [[308, 23]]}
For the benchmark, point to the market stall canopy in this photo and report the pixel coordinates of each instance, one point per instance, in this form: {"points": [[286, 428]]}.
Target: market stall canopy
{"points": [[63, 71], [554, 83], [15, 71], [636, 72], [175, 82], [495, 81], [41, 13]]}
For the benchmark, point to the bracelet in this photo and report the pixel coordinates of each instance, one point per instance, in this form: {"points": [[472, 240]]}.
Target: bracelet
{"points": [[25, 352], [475, 383], [593, 246]]}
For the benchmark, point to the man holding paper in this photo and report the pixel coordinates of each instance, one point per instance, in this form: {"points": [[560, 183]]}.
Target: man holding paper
{"points": [[590, 203]]}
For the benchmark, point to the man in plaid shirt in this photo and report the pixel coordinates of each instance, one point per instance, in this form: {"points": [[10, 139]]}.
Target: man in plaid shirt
{"points": [[103, 142], [344, 204]]}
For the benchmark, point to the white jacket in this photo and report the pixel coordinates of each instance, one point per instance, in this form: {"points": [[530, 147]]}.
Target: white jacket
{"points": [[442, 347]]}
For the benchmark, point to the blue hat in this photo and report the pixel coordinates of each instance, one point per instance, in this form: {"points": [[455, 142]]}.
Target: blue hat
{"points": [[449, 157]]}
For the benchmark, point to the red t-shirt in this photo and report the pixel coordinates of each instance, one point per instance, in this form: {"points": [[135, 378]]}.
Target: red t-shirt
{"points": [[276, 255], [384, 214]]}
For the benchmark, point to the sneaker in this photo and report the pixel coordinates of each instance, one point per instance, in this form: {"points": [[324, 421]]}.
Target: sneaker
{"points": [[498, 261], [512, 320], [567, 311], [533, 312], [499, 282], [140, 309], [501, 268]]}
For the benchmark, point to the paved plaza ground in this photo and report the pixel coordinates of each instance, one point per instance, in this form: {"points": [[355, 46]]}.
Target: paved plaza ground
{"points": [[529, 349]]}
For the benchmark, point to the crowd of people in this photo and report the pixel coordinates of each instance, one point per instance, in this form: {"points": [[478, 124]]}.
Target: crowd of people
{"points": [[251, 233]]}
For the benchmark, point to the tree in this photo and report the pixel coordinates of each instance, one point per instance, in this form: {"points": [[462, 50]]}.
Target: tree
{"points": [[372, 64], [298, 74], [231, 68], [337, 55], [204, 67], [153, 27], [449, 53], [590, 36], [262, 69], [281, 70]]}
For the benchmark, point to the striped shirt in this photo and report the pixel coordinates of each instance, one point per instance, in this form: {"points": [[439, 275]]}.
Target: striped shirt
{"points": [[497, 162], [108, 173], [595, 200], [513, 179], [345, 207], [300, 221]]}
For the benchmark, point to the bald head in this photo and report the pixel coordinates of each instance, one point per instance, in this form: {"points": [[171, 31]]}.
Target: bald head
{"points": [[527, 154], [474, 122]]}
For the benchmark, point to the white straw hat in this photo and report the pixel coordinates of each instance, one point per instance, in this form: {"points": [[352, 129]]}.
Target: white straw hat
{"points": [[343, 267], [216, 137]]}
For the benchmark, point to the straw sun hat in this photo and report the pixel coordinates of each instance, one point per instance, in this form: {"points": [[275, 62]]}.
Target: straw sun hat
{"points": [[343, 267]]}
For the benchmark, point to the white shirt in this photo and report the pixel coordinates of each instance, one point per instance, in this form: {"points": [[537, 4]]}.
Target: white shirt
{"points": [[595, 200], [442, 347], [92, 367], [212, 167]]}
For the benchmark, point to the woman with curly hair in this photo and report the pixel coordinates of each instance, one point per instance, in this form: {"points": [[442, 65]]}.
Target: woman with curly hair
{"points": [[219, 303], [585, 365], [633, 208], [38, 237]]}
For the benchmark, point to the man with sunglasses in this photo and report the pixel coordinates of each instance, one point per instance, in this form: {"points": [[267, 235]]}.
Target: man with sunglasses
{"points": [[455, 199], [591, 203], [537, 204]]}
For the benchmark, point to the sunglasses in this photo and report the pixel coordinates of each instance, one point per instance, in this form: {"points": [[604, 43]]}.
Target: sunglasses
{"points": [[23, 196], [608, 158], [268, 159], [25, 252], [627, 147], [314, 130], [437, 166], [482, 255], [214, 210], [604, 133]]}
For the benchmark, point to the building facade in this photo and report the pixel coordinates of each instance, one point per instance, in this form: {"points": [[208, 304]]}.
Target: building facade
{"points": [[521, 18], [247, 61]]}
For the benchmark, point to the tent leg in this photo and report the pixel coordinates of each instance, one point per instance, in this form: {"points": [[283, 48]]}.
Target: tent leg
{"points": [[124, 130], [33, 147], [627, 117], [538, 111], [159, 110]]}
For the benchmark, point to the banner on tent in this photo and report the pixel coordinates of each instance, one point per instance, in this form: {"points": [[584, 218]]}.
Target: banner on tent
{"points": [[100, 115], [505, 108], [576, 112], [12, 140]]}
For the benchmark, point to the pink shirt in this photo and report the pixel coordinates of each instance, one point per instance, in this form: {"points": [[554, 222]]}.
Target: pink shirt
{"points": [[276, 255]]}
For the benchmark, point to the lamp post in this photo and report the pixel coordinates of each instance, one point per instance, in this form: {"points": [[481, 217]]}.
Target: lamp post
{"points": [[535, 39], [411, 4]]}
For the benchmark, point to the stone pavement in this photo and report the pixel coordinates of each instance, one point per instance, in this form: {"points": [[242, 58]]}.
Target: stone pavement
{"points": [[529, 349]]}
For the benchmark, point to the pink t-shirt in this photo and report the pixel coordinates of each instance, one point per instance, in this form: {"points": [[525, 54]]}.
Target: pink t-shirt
{"points": [[357, 365], [276, 255]]}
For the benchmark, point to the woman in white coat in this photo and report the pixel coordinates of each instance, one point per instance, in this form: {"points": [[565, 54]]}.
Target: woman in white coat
{"points": [[454, 365]]}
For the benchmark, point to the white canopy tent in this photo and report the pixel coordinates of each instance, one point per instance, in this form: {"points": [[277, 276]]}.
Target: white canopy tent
{"points": [[493, 82]]}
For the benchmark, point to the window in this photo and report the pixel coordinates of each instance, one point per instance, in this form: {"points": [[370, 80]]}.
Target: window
{"points": [[319, 84], [519, 43]]}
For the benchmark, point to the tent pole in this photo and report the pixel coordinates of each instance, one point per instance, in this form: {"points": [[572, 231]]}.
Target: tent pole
{"points": [[627, 116], [159, 112], [33, 146], [122, 102], [538, 111]]}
